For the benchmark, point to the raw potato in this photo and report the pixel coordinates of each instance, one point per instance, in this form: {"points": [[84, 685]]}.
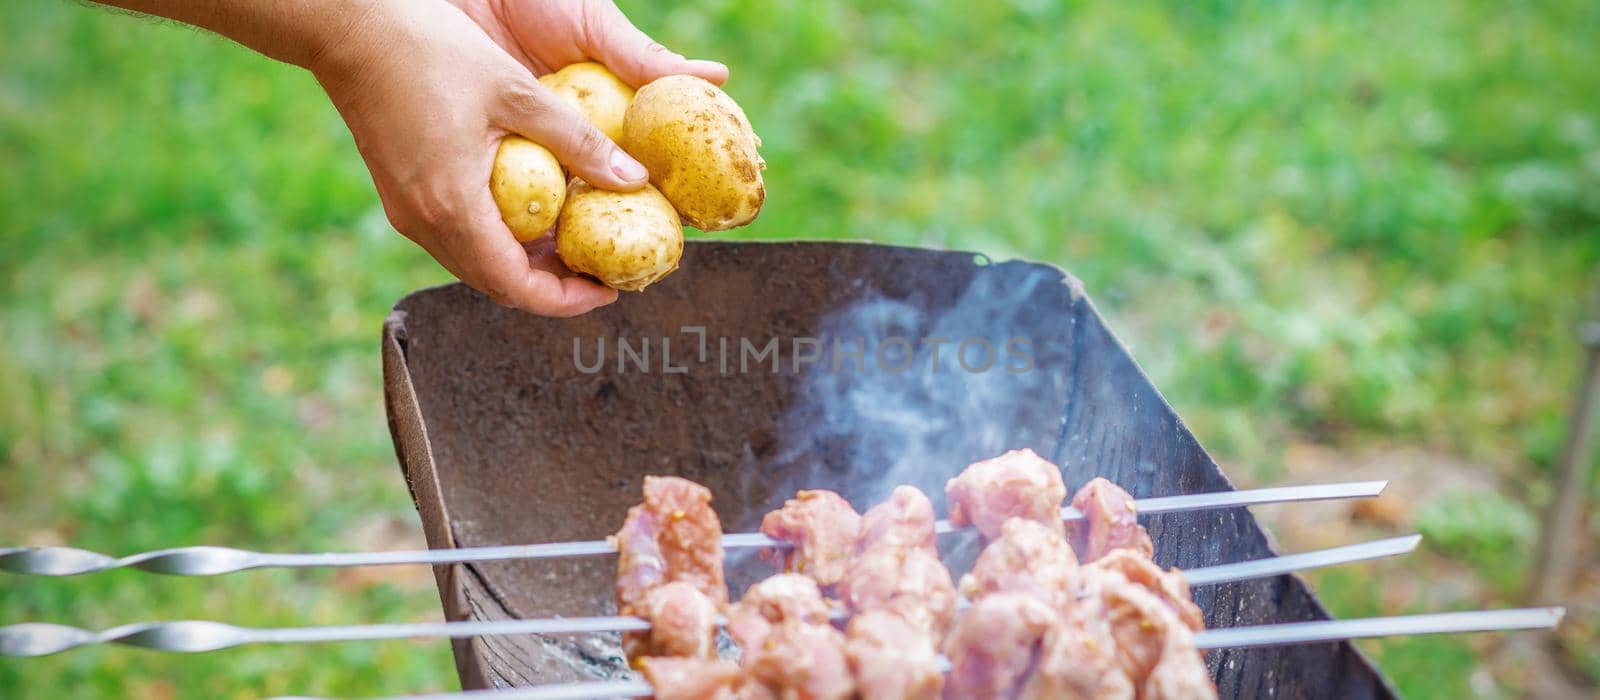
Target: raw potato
{"points": [[627, 240], [597, 92], [528, 187], [700, 150]]}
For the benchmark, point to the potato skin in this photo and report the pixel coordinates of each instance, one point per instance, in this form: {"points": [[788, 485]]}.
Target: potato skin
{"points": [[700, 150], [628, 240], [528, 187], [594, 90]]}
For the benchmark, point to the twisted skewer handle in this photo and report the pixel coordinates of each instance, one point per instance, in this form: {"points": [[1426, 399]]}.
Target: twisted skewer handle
{"points": [[191, 636], [39, 639], [211, 561]]}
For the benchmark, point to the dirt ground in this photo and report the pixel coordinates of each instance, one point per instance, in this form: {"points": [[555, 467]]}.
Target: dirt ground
{"points": [[1541, 665]]}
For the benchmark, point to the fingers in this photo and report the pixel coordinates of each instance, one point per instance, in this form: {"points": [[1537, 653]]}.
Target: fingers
{"points": [[490, 259], [633, 55], [542, 256], [532, 110]]}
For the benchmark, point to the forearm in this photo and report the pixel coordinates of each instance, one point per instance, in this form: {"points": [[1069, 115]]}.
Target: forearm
{"points": [[292, 31]]}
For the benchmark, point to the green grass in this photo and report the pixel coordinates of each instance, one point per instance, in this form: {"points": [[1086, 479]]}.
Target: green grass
{"points": [[1338, 221]]}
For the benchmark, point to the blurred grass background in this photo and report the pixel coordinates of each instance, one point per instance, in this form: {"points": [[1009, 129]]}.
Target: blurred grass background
{"points": [[1341, 229]]}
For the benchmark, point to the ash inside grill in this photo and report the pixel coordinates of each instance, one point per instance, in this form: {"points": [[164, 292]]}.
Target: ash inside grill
{"points": [[510, 432]]}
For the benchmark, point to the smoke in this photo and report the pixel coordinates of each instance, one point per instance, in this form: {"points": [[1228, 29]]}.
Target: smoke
{"points": [[921, 411]]}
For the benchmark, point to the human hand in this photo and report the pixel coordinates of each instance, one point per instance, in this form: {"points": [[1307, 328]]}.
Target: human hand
{"points": [[429, 93], [546, 35], [429, 88]]}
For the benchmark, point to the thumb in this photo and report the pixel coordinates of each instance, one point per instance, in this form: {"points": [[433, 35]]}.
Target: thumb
{"points": [[632, 54], [538, 114]]}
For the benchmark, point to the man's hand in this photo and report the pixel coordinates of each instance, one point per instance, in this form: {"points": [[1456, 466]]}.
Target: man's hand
{"points": [[546, 35], [429, 88]]}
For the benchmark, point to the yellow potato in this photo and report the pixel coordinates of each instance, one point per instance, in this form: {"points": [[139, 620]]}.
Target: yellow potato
{"points": [[627, 240], [528, 187], [600, 95], [700, 150]]}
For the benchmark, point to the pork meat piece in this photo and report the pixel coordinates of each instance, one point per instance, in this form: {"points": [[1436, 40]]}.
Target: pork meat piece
{"points": [[1155, 648], [891, 659], [672, 536], [822, 526], [1017, 484], [1078, 662], [683, 622], [751, 689], [905, 520], [1181, 674], [775, 600], [691, 679], [1027, 557], [912, 583], [995, 646], [1110, 521], [1171, 585], [789, 648], [801, 661]]}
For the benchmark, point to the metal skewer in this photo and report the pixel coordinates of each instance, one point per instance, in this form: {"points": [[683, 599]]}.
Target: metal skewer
{"points": [[1362, 628], [211, 561], [1253, 636], [40, 639]]}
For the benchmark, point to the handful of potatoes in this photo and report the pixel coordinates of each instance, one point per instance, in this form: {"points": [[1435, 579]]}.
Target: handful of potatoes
{"points": [[704, 171]]}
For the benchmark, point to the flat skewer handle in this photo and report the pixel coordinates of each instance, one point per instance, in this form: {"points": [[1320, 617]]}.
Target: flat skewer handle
{"points": [[212, 561], [1336, 630]]}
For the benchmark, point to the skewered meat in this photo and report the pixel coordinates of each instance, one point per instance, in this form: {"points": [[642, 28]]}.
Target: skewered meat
{"points": [[995, 646], [1154, 647], [1028, 558], [891, 659], [902, 597], [1171, 585], [672, 536], [912, 583], [801, 661], [778, 599], [789, 647], [822, 526], [691, 679], [1041, 626], [1181, 674], [1118, 627], [1122, 642], [1118, 639], [1074, 654], [683, 622], [903, 521], [1017, 484], [897, 567], [1078, 662], [1110, 522]]}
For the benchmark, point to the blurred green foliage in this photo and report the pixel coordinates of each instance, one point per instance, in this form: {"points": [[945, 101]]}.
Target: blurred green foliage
{"points": [[1339, 221], [1492, 533], [1428, 666]]}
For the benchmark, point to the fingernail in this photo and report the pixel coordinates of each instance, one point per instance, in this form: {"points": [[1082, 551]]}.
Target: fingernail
{"points": [[625, 167], [710, 70]]}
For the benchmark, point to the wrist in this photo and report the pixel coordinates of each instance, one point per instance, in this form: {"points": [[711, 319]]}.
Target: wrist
{"points": [[332, 44], [297, 32]]}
